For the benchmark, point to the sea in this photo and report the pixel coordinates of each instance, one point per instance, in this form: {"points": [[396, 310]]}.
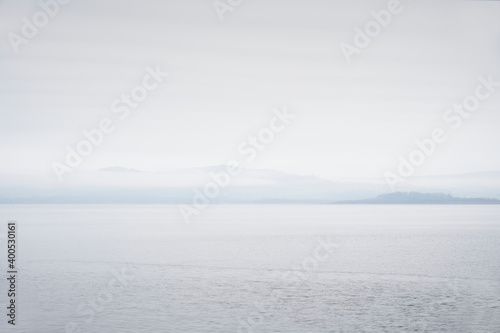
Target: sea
{"points": [[251, 268]]}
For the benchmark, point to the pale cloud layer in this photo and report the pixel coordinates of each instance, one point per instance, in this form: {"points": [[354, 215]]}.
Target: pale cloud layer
{"points": [[353, 120]]}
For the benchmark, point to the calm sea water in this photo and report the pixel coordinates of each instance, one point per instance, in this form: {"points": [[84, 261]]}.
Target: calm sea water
{"points": [[255, 268]]}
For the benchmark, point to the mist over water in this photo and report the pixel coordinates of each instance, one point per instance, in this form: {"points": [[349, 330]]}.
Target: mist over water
{"points": [[258, 268], [145, 147]]}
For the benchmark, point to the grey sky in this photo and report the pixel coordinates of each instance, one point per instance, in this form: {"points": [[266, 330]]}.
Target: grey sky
{"points": [[227, 76]]}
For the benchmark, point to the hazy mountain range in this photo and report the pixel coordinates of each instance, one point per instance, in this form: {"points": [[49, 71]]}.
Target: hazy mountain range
{"points": [[420, 198], [123, 185]]}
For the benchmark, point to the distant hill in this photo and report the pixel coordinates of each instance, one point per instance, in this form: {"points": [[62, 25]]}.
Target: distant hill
{"points": [[123, 185], [420, 198]]}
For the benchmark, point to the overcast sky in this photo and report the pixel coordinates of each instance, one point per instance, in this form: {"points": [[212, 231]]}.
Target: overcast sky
{"points": [[353, 120]]}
